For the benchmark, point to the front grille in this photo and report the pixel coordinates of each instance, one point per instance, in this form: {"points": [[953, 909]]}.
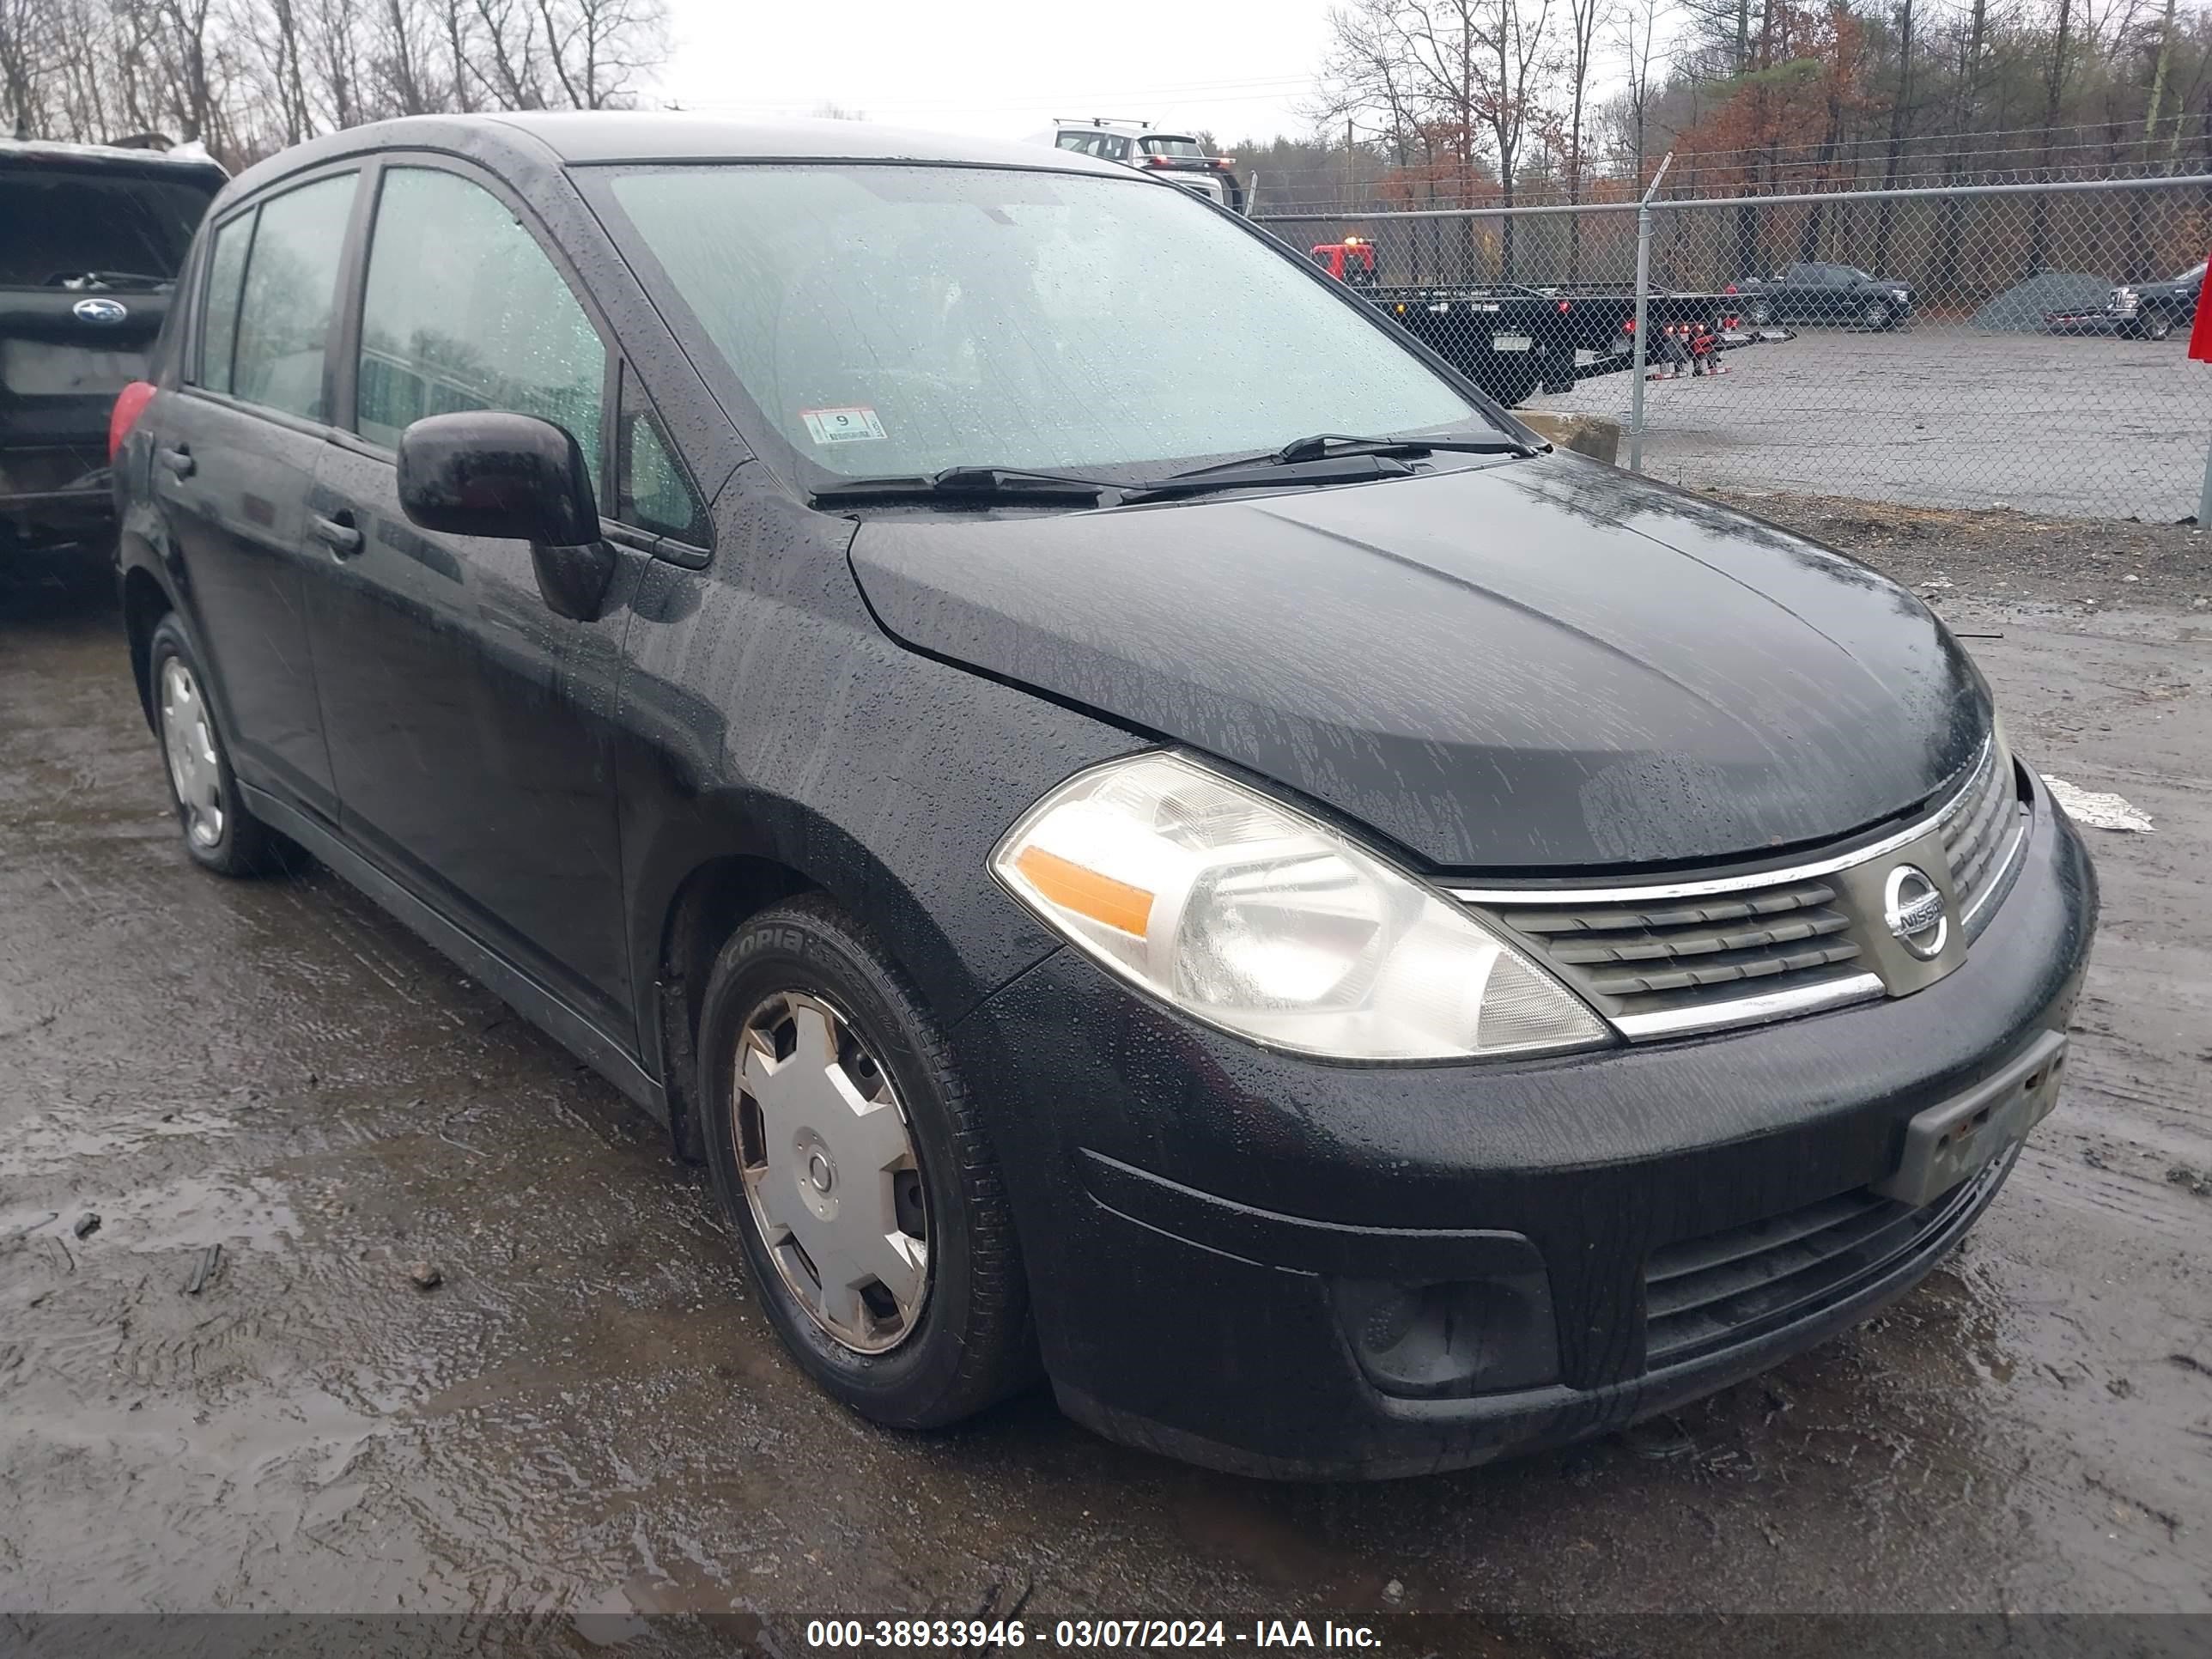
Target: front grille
{"points": [[1730, 1287], [1981, 837], [1647, 959], [1708, 953]]}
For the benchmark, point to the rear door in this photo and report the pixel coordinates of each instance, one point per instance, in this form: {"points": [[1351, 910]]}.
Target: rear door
{"points": [[1799, 296], [236, 454], [469, 725], [88, 257]]}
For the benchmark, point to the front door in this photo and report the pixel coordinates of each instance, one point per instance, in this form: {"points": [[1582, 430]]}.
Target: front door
{"points": [[236, 454], [468, 723]]}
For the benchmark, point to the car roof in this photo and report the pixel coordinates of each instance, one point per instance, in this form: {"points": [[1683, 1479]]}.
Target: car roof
{"points": [[587, 138], [184, 158]]}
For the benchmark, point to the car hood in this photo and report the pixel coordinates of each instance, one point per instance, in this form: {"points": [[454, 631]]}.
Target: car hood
{"points": [[1539, 664]]}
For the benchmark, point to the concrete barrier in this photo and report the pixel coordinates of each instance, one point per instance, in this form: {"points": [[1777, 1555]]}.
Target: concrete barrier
{"points": [[1593, 435]]}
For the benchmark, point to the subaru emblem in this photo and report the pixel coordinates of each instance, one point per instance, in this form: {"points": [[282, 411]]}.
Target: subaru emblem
{"points": [[101, 311], [1912, 907]]}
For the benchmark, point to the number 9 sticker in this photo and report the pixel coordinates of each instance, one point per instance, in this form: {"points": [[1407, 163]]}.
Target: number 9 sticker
{"points": [[842, 426]]}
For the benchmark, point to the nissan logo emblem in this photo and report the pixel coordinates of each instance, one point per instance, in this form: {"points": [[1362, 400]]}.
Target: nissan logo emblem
{"points": [[101, 311], [1912, 907]]}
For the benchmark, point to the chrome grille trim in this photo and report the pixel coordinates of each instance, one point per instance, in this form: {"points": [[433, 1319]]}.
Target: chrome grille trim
{"points": [[1739, 1011], [1683, 957], [1637, 893]]}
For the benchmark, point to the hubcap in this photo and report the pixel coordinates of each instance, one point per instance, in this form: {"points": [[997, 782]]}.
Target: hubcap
{"points": [[830, 1171], [188, 739]]}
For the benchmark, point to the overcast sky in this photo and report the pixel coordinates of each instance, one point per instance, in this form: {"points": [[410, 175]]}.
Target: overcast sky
{"points": [[1004, 68]]}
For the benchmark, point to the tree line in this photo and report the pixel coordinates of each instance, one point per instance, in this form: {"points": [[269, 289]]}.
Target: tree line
{"points": [[1491, 102], [247, 77]]}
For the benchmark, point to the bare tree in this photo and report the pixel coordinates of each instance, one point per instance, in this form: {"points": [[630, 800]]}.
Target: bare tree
{"points": [[1645, 68], [1584, 18]]}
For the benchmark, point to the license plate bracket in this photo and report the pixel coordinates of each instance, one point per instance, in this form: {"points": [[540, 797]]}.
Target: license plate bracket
{"points": [[1956, 1137], [1511, 343]]}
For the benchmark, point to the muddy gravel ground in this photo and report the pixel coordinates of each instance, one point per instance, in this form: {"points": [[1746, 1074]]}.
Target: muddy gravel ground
{"points": [[587, 1417], [1939, 414]]}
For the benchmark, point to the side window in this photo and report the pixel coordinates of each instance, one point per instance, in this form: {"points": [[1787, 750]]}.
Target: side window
{"points": [[652, 491], [290, 293], [226, 275], [464, 310], [1113, 149]]}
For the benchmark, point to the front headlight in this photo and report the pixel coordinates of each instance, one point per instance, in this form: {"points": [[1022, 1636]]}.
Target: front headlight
{"points": [[1256, 918]]}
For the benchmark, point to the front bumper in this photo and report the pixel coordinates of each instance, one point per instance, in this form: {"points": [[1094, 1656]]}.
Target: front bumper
{"points": [[1208, 1223]]}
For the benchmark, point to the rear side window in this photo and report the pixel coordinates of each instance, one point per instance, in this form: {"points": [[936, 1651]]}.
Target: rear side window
{"points": [[290, 293], [226, 276], [465, 310], [65, 222]]}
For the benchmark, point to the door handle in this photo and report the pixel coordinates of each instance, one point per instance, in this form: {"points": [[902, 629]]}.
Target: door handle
{"points": [[341, 537], [178, 460]]}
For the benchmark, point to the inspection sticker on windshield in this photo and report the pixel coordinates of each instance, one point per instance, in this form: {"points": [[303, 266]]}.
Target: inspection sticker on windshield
{"points": [[842, 426]]}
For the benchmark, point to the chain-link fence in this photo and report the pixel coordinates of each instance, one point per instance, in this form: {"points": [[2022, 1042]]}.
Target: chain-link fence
{"points": [[2016, 345]]}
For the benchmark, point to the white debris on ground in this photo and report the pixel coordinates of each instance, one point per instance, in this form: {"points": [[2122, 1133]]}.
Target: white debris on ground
{"points": [[2099, 810]]}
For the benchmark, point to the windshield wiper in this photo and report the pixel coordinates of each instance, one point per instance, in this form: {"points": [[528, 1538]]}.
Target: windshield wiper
{"points": [[1270, 473], [1331, 444], [968, 483], [1023, 486]]}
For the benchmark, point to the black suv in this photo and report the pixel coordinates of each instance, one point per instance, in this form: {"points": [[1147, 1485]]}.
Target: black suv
{"points": [[94, 237], [1816, 293], [1169, 845]]}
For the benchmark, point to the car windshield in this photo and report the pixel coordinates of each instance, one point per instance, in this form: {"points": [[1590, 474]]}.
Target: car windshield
{"points": [[895, 320], [1158, 145], [68, 221]]}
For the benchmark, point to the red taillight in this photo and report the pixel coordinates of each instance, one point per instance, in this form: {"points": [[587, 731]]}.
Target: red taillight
{"points": [[130, 403], [1730, 288], [1629, 327], [1564, 307]]}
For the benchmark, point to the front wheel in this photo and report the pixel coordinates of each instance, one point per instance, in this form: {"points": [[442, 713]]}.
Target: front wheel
{"points": [[1874, 314], [218, 832], [2156, 325], [851, 1166], [1759, 313]]}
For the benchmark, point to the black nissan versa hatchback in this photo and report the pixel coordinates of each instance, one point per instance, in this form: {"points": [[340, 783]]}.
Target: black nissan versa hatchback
{"points": [[1144, 831]]}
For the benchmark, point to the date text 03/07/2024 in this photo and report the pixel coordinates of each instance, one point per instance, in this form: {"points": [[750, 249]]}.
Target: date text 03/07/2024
{"points": [[1139, 1634]]}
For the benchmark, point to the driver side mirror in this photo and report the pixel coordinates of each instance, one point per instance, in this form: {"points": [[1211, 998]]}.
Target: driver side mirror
{"points": [[515, 477]]}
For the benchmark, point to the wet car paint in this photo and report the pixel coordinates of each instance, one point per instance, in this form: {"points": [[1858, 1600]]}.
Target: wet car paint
{"points": [[589, 1418], [1606, 674], [726, 734]]}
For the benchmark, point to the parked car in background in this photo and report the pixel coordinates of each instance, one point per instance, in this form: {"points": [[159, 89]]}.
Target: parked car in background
{"points": [[91, 238], [1178, 156], [2139, 311], [1817, 293], [1170, 847]]}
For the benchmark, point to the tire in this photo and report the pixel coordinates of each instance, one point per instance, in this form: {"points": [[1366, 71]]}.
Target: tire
{"points": [[803, 980], [1876, 314], [1759, 313], [218, 832], [2156, 325]]}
